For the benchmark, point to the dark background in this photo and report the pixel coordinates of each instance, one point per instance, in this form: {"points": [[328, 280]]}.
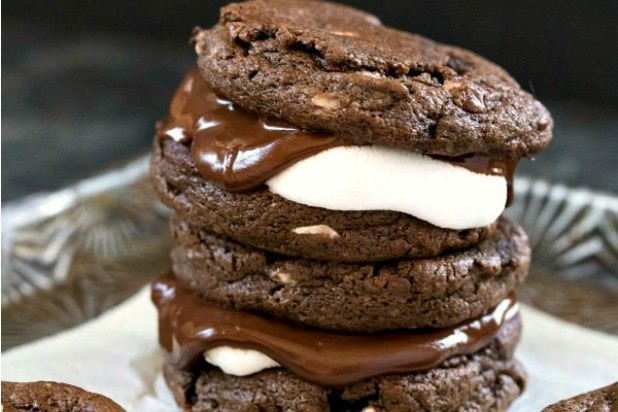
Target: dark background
{"points": [[84, 81]]}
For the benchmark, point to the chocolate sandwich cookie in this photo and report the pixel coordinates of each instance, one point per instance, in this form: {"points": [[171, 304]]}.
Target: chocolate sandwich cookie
{"points": [[362, 297], [603, 399], [469, 365], [53, 397], [323, 66], [337, 187], [270, 222]]}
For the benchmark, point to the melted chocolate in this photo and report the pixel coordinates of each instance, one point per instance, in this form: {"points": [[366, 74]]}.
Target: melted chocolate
{"points": [[188, 326], [239, 150], [236, 149]]}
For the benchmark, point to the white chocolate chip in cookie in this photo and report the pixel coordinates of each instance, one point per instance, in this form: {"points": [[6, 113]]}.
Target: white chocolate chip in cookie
{"points": [[374, 75], [369, 409], [345, 33], [451, 85], [316, 230], [326, 101], [282, 277]]}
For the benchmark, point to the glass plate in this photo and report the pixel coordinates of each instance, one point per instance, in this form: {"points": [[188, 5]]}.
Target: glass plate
{"points": [[70, 255]]}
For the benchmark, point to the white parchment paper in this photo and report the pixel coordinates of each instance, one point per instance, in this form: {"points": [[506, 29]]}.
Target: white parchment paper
{"points": [[118, 355]]}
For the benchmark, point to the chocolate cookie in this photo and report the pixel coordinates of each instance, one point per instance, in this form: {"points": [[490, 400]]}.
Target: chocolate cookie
{"points": [[488, 380], [603, 399], [364, 297], [53, 396], [267, 221], [323, 66]]}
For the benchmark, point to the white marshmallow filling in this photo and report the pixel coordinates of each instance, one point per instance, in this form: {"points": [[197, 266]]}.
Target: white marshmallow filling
{"points": [[359, 178]]}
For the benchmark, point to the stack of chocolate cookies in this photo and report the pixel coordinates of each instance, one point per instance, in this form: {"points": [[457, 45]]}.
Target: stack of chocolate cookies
{"points": [[338, 188]]}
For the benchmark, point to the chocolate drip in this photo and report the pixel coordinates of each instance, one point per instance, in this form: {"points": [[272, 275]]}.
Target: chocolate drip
{"points": [[239, 150], [188, 326]]}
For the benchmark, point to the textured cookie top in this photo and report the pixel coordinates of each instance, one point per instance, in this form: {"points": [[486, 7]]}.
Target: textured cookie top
{"points": [[603, 399], [324, 66], [53, 396]]}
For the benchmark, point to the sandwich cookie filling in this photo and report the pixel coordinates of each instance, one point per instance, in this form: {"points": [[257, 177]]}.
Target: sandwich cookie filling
{"points": [[240, 151], [359, 178], [191, 328]]}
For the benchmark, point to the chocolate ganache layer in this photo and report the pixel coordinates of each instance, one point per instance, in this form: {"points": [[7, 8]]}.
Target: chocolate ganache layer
{"points": [[235, 149], [239, 150], [189, 326]]}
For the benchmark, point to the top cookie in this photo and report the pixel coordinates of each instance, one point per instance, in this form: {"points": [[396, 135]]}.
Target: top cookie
{"points": [[324, 66]]}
